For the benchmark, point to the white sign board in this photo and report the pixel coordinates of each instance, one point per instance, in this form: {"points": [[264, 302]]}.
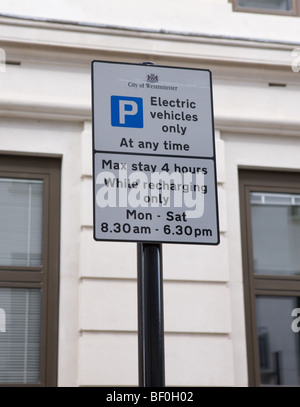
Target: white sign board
{"points": [[154, 154], [152, 110]]}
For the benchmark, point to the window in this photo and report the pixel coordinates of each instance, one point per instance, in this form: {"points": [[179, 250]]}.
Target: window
{"points": [[270, 220], [29, 247], [283, 7]]}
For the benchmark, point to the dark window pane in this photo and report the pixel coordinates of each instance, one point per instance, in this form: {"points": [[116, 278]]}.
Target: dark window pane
{"points": [[20, 327], [275, 220], [21, 222], [284, 5], [278, 341]]}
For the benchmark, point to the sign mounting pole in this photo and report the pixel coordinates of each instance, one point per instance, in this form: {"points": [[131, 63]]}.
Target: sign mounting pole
{"points": [[150, 315]]}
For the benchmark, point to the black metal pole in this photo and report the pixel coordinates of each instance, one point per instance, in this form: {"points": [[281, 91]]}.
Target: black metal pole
{"points": [[150, 316]]}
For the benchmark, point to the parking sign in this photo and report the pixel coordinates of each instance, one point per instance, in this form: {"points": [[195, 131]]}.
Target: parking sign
{"points": [[153, 154]]}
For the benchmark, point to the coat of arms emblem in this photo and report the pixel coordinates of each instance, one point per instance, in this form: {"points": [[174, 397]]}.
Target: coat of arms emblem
{"points": [[152, 78]]}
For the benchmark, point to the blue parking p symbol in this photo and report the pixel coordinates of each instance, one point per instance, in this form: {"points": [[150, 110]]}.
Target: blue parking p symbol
{"points": [[127, 111]]}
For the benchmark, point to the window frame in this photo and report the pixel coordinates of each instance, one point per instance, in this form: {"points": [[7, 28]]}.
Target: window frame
{"points": [[254, 284], [46, 276], [295, 12]]}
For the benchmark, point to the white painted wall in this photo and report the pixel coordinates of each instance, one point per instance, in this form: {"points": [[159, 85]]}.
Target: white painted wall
{"points": [[209, 17]]}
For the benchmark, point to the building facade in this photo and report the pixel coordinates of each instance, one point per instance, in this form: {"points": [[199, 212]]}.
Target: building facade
{"points": [[68, 304]]}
